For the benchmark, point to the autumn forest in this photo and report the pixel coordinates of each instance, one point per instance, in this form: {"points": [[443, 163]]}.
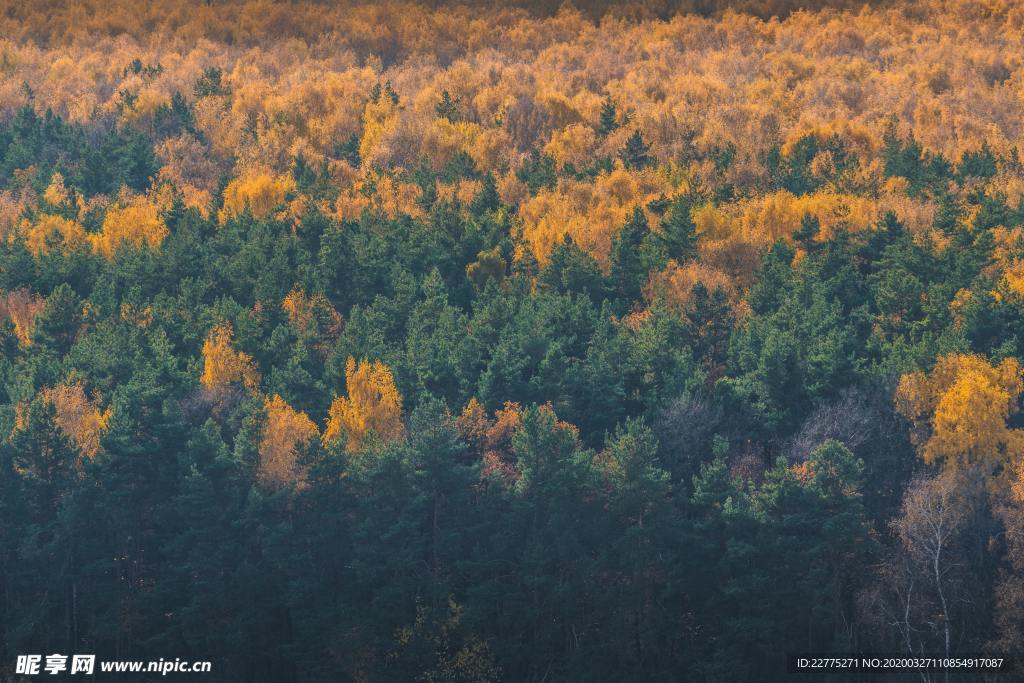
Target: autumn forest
{"points": [[646, 341]]}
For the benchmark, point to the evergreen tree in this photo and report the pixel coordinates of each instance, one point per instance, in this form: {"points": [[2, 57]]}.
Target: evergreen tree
{"points": [[678, 231], [609, 117], [448, 108], [628, 274], [635, 154]]}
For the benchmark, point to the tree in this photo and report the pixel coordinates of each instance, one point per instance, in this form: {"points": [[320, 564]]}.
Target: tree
{"points": [[40, 542], [487, 199], [133, 225], [570, 269], [678, 232], [1009, 589], [628, 273], [925, 576], [209, 83], [284, 432], [54, 233], [797, 349], [637, 540], [22, 307], [635, 154], [260, 194], [222, 365], [959, 413], [77, 417], [489, 267], [810, 226], [448, 108], [59, 323], [609, 121], [373, 405]]}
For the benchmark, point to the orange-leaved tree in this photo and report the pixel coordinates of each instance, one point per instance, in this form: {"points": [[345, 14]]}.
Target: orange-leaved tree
{"points": [[959, 413], [223, 365], [261, 193], [135, 224], [283, 432], [22, 307], [80, 419], [373, 405], [50, 231]]}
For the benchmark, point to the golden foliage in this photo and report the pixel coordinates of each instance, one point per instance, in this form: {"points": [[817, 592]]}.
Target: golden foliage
{"points": [[373, 405], [733, 235], [223, 365], [382, 193], [51, 232], [297, 76], [312, 315], [573, 144], [284, 430], [472, 424], [378, 120], [80, 419], [675, 284], [296, 305], [134, 224], [261, 193], [591, 213], [778, 215], [1013, 276], [959, 413], [22, 307], [55, 193], [491, 440]]}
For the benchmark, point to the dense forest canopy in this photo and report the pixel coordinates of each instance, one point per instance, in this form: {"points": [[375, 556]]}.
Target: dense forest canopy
{"points": [[442, 342]]}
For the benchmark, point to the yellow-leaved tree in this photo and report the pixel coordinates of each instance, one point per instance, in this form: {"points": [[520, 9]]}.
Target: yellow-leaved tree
{"points": [[133, 225], [284, 430], [223, 365], [312, 315], [261, 193], [55, 193], [373, 404], [22, 307], [50, 232], [959, 413], [80, 419], [590, 213], [379, 119]]}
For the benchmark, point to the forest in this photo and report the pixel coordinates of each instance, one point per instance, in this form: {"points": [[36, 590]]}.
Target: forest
{"points": [[646, 341]]}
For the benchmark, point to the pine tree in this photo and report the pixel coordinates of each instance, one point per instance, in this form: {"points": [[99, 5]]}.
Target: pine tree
{"points": [[635, 153], [810, 226], [570, 269], [678, 231], [487, 199], [609, 115], [628, 274], [448, 108]]}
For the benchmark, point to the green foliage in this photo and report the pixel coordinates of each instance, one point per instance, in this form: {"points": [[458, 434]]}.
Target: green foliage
{"points": [[596, 482], [628, 271], [209, 83], [538, 172], [448, 107], [609, 117], [635, 154], [91, 163]]}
